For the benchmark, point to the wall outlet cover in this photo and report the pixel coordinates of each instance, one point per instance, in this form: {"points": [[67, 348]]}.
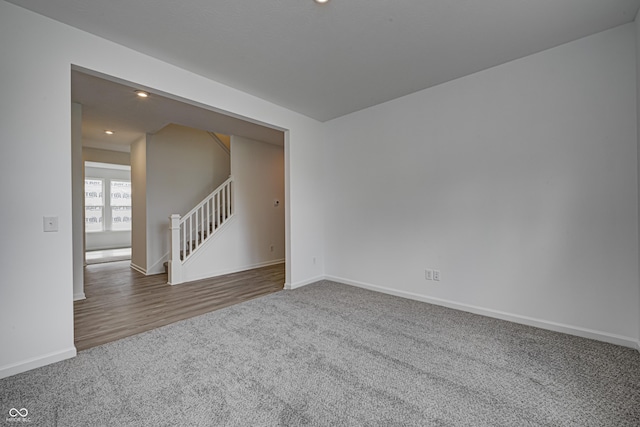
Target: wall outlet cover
{"points": [[50, 223]]}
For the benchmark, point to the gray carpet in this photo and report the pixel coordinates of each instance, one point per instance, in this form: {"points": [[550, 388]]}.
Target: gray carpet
{"points": [[329, 354]]}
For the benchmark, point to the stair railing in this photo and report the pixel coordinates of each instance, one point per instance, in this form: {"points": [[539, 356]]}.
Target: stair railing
{"points": [[191, 231]]}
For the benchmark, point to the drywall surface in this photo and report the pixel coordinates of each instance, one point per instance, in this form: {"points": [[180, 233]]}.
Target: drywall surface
{"points": [[637, 29], [105, 156], [77, 201], [518, 183], [184, 165], [139, 204], [36, 304], [255, 236], [108, 240]]}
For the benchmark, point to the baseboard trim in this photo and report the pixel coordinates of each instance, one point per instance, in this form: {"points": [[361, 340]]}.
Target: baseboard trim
{"points": [[516, 318], [232, 270], [291, 286], [37, 362], [79, 296], [158, 266], [138, 269]]}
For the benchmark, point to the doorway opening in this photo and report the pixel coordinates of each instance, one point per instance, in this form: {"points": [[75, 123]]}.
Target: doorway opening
{"points": [[141, 132], [107, 212]]}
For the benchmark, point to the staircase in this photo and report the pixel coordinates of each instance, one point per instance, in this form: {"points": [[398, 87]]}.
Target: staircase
{"points": [[191, 231]]}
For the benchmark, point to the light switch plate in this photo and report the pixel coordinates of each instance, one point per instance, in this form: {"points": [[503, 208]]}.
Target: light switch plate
{"points": [[50, 223]]}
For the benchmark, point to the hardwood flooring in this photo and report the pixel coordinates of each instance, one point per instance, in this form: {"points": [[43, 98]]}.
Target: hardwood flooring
{"points": [[121, 302]]}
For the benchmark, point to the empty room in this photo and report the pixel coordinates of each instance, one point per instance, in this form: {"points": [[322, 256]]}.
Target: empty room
{"points": [[460, 204]]}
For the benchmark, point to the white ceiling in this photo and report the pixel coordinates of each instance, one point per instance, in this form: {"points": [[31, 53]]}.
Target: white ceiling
{"points": [[327, 61], [107, 104]]}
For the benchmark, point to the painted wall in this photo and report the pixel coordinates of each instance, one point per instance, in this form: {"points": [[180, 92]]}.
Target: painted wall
{"points": [[105, 156], [527, 208], [245, 241], [36, 305], [637, 28], [77, 202], [139, 204], [518, 183], [184, 165]]}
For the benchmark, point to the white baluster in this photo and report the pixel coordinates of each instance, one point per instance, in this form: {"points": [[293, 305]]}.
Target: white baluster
{"points": [[190, 236], [198, 226], [224, 203], [231, 201], [228, 196], [212, 212], [183, 225], [206, 214]]}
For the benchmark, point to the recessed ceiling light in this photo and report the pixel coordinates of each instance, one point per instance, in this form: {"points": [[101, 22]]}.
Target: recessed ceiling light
{"points": [[142, 94], [109, 132], [321, 1]]}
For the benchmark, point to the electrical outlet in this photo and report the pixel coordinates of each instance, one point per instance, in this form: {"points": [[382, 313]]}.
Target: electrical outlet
{"points": [[428, 274], [50, 223], [314, 260], [436, 275], [271, 248]]}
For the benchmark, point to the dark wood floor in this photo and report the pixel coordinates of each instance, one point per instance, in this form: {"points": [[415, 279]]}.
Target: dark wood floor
{"points": [[122, 302]]}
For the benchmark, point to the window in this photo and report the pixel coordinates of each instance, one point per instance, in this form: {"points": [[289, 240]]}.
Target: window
{"points": [[107, 211], [120, 205], [93, 204]]}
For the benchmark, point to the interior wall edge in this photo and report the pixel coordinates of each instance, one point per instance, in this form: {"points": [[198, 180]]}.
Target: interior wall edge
{"points": [[37, 362]]}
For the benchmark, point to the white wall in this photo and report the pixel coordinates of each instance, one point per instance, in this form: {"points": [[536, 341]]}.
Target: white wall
{"points": [[184, 165], [108, 240], [139, 204], [77, 200], [36, 309], [245, 242], [518, 183], [637, 28], [36, 304], [105, 156]]}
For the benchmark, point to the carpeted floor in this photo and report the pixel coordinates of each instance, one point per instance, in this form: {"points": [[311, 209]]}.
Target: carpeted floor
{"points": [[329, 354]]}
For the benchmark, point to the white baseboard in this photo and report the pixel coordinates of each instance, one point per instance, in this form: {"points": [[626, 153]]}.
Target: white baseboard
{"points": [[291, 286], [516, 318], [158, 266], [36, 362], [231, 270], [145, 271], [139, 269], [79, 296]]}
